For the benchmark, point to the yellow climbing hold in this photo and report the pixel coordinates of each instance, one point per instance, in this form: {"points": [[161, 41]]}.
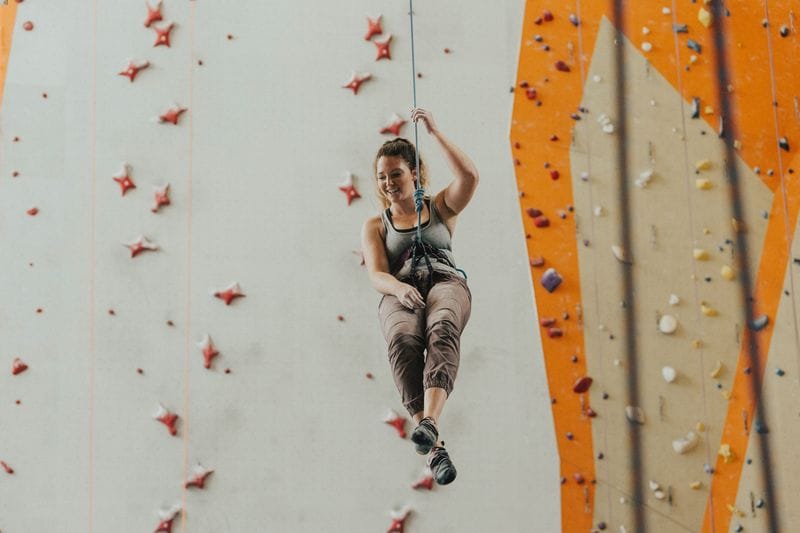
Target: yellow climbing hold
{"points": [[737, 144], [707, 309], [709, 110], [727, 273], [697, 343], [705, 17], [703, 164], [726, 453], [703, 184], [717, 369], [695, 485], [700, 427], [726, 394], [706, 231], [735, 510], [700, 254]]}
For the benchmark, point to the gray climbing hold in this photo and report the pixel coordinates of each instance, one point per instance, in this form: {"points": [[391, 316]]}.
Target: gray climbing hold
{"points": [[759, 323], [760, 503], [680, 28], [694, 45], [780, 372], [551, 279], [695, 107], [783, 142], [760, 427], [635, 414]]}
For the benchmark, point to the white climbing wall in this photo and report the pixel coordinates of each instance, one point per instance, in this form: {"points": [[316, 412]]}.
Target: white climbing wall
{"points": [[285, 417]]}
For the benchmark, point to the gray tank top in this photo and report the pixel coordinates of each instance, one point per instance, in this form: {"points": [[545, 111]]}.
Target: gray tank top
{"points": [[434, 232]]}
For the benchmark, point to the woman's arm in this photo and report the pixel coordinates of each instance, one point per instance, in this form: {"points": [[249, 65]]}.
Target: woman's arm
{"points": [[458, 194], [378, 267]]}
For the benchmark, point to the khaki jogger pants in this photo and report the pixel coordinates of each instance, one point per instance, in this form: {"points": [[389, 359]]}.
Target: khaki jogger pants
{"points": [[436, 328]]}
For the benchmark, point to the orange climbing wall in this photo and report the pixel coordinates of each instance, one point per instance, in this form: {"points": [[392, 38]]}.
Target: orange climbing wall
{"points": [[545, 138], [8, 14]]}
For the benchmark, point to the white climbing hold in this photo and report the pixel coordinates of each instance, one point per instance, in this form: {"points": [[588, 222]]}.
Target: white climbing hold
{"points": [[669, 374], [645, 30], [668, 324], [584, 176], [617, 362], [703, 184], [644, 178], [597, 78], [703, 164], [635, 414], [685, 444], [599, 211], [653, 485], [666, 10], [727, 273], [705, 17], [646, 46], [674, 299], [659, 494], [619, 253], [608, 127]]}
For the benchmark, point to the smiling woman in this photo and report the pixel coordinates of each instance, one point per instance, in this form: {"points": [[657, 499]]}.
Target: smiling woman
{"points": [[425, 307]]}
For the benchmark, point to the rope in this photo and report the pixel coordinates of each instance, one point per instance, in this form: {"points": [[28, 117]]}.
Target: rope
{"points": [[420, 249]]}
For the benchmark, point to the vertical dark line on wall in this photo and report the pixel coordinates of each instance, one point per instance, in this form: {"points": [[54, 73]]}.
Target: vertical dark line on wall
{"points": [[626, 242], [745, 285]]}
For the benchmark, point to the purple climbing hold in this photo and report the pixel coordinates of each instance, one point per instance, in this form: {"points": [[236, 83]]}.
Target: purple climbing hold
{"points": [[573, 18], [551, 279], [694, 45]]}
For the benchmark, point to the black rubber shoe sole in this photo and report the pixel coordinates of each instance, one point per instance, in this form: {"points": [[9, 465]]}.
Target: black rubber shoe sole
{"points": [[424, 439]]}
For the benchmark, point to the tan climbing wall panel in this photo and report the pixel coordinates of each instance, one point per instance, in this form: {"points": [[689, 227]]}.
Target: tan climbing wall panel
{"points": [[671, 218], [555, 127]]}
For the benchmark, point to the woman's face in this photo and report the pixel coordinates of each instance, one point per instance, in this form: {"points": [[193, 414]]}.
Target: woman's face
{"points": [[395, 179]]}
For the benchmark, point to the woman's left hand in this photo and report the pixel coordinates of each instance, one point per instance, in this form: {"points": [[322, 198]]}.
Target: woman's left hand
{"points": [[419, 113]]}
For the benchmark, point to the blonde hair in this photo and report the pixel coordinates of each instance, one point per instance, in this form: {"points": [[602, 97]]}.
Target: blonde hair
{"points": [[402, 148]]}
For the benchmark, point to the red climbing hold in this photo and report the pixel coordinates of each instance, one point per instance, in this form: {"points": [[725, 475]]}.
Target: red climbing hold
{"points": [[425, 481], [383, 48], [7, 468], [397, 422], [172, 114], [349, 189], [547, 322], [161, 197], [162, 35], [153, 14], [33, 211], [124, 179], [17, 366], [554, 333], [28, 25], [398, 520], [355, 81], [582, 385], [167, 518], [531, 93], [209, 350], [537, 261], [140, 245], [133, 68], [374, 27], [199, 476], [533, 212], [554, 175], [563, 67], [230, 293], [394, 126], [167, 418], [547, 16], [541, 222]]}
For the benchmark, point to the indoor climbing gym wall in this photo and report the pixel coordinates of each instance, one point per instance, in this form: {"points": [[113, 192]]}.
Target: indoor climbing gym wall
{"points": [[188, 339], [655, 150]]}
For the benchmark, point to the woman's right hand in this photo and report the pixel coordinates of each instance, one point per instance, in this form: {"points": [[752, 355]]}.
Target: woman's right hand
{"points": [[409, 296]]}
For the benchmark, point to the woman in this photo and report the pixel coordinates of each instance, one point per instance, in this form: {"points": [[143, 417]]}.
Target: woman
{"points": [[426, 309]]}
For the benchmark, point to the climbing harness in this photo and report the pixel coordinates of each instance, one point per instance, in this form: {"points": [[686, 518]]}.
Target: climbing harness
{"points": [[420, 249]]}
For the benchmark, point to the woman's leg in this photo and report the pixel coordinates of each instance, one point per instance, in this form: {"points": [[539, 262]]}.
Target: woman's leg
{"points": [[448, 308], [404, 331]]}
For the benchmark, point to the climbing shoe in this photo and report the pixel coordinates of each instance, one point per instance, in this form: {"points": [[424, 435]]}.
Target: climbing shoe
{"points": [[444, 471], [425, 435]]}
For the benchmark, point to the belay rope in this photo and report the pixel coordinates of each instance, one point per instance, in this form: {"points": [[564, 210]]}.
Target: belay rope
{"points": [[420, 249]]}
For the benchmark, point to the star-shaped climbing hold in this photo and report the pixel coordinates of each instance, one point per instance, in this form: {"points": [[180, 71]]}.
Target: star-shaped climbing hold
{"points": [[374, 27], [133, 68], [162, 35], [153, 14], [355, 81], [124, 179], [17, 366], [348, 188], [394, 126], [398, 520], [209, 350], [198, 478], [383, 48], [140, 245], [161, 197], [167, 518], [167, 418], [397, 422], [425, 481], [228, 294], [172, 114]]}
